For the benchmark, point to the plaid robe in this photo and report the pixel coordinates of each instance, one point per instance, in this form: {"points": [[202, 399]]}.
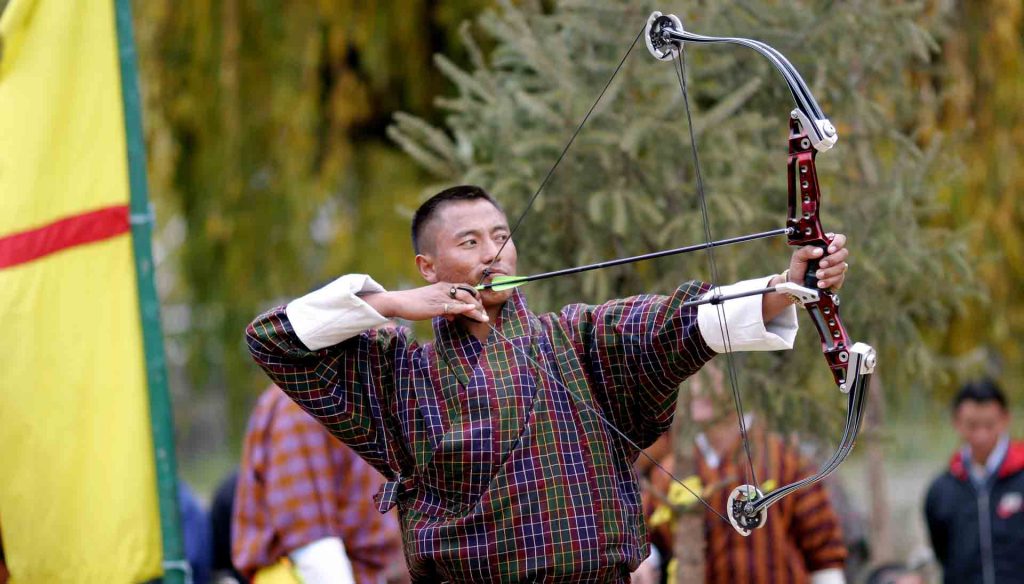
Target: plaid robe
{"points": [[296, 485], [506, 473]]}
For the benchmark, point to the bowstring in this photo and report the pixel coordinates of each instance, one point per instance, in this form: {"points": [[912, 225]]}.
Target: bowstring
{"points": [[515, 227], [713, 266], [551, 171], [723, 325]]}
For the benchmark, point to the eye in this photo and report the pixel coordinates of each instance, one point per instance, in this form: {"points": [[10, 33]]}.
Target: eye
{"points": [[468, 243], [501, 237]]}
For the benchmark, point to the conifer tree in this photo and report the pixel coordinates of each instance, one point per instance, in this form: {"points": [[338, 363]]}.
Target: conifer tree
{"points": [[627, 184]]}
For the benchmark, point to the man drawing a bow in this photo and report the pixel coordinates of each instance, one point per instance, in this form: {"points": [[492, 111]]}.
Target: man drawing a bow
{"points": [[501, 436]]}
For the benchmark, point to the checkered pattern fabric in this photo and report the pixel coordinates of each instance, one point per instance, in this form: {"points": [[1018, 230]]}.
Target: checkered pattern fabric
{"points": [[299, 484], [511, 475]]}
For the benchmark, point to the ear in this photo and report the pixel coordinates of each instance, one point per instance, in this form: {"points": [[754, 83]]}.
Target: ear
{"points": [[425, 264]]}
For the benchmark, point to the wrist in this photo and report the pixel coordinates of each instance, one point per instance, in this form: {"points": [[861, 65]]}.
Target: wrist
{"points": [[383, 302]]}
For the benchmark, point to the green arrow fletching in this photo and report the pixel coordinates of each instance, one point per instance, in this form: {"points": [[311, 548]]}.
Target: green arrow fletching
{"points": [[500, 283]]}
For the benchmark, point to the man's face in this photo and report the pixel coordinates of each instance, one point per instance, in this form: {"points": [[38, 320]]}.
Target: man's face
{"points": [[980, 425], [461, 241]]}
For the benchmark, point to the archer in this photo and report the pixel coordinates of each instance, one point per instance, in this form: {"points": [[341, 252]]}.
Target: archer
{"points": [[509, 440]]}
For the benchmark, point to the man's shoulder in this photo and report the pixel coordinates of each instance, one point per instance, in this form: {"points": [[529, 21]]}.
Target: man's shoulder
{"points": [[1013, 462]]}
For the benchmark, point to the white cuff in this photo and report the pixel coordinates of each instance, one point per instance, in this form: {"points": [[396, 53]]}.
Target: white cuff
{"points": [[654, 558], [743, 323], [829, 576], [323, 562], [334, 313]]}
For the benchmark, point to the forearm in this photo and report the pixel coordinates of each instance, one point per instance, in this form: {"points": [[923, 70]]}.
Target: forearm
{"points": [[773, 303], [387, 304]]}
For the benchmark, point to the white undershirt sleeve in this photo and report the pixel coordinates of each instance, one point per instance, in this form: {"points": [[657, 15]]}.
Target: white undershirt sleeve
{"points": [[323, 561], [334, 313], [742, 328], [828, 576]]}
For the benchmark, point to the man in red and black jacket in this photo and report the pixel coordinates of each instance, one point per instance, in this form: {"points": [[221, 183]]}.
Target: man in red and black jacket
{"points": [[975, 510]]}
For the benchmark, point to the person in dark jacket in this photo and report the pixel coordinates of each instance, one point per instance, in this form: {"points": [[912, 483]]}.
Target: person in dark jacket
{"points": [[975, 510]]}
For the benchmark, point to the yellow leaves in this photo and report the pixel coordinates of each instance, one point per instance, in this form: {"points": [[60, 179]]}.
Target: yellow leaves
{"points": [[684, 495], [661, 516], [680, 497]]}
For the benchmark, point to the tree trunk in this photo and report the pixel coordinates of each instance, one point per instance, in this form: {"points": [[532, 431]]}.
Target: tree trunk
{"points": [[880, 528], [688, 542]]}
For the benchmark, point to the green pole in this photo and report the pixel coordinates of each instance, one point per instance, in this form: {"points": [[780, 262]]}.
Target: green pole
{"points": [[176, 569]]}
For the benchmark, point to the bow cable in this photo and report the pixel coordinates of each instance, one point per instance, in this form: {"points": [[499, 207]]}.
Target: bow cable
{"points": [[713, 267]]}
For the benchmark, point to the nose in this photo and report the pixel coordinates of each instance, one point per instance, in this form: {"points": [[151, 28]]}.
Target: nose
{"points": [[490, 250]]}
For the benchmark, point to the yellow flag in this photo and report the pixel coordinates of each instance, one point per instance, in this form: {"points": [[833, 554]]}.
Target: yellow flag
{"points": [[78, 489]]}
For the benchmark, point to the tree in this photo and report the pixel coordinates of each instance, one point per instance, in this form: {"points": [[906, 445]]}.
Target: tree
{"points": [[627, 184], [977, 92], [265, 127]]}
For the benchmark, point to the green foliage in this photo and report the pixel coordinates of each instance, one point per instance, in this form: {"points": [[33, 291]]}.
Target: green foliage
{"points": [[977, 92], [627, 185]]}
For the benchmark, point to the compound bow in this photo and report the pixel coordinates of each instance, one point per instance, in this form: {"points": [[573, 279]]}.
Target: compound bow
{"points": [[851, 363]]}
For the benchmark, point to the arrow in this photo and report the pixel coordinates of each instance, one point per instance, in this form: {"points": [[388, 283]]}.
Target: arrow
{"points": [[502, 282]]}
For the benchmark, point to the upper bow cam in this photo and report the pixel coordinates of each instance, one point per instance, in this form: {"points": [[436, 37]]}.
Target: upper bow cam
{"points": [[665, 36], [851, 363]]}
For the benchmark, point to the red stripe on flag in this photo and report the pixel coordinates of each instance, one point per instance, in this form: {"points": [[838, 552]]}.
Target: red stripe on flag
{"points": [[62, 234]]}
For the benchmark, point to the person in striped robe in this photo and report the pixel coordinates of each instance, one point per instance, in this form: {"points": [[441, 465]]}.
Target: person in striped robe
{"points": [[802, 541]]}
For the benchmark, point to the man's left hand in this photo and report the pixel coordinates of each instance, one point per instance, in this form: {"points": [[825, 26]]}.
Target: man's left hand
{"points": [[831, 268], [831, 273]]}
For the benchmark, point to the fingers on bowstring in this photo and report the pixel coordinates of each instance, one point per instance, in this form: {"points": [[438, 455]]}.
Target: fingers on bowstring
{"points": [[467, 294]]}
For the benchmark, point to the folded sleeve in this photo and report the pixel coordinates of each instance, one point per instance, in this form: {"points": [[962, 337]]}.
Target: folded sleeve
{"points": [[334, 313], [737, 325]]}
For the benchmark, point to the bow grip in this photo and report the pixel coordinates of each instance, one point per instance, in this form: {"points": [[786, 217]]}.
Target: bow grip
{"points": [[811, 276]]}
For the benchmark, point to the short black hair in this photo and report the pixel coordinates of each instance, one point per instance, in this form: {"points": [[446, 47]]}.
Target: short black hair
{"points": [[429, 208], [980, 390]]}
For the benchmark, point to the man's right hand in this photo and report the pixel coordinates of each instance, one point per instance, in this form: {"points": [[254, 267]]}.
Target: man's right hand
{"points": [[426, 302]]}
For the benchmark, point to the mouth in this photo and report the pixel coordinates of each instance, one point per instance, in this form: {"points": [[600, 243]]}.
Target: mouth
{"points": [[488, 274]]}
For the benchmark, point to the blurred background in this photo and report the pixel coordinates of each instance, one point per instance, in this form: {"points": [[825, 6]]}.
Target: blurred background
{"points": [[289, 142]]}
